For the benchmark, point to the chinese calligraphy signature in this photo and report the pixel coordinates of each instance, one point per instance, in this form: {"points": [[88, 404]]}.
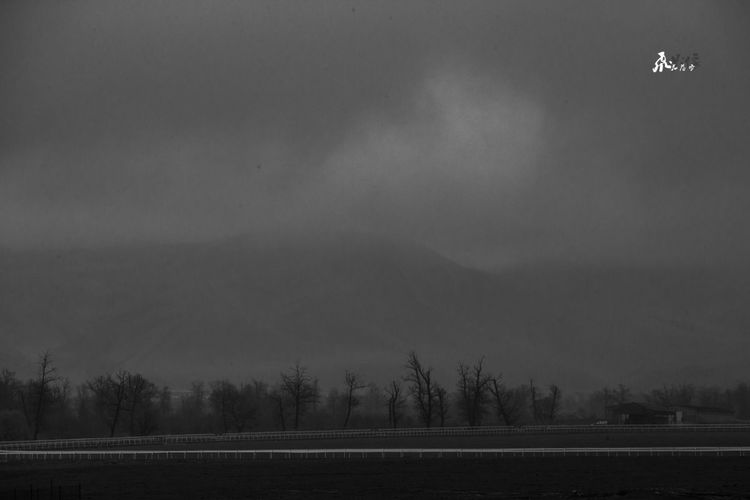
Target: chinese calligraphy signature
{"points": [[676, 62]]}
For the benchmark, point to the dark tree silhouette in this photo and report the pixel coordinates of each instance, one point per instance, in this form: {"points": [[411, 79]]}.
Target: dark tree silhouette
{"points": [[622, 394], [110, 397], [278, 399], [544, 409], [535, 406], [236, 407], [396, 402], [141, 393], [473, 388], [13, 424], [554, 402], [682, 394], [301, 390], [223, 398], [441, 398], [39, 393], [422, 387], [600, 400], [10, 390], [353, 384], [509, 403], [194, 403]]}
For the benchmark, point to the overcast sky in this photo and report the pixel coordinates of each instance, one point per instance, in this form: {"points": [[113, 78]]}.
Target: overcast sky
{"points": [[494, 132]]}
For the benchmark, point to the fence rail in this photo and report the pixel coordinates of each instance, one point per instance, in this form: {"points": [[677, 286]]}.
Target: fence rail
{"points": [[90, 443], [363, 453]]}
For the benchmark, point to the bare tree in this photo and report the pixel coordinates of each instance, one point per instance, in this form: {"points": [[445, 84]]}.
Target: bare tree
{"points": [[278, 398], [236, 407], [682, 394], [622, 394], [422, 387], [194, 403], [554, 402], [165, 401], [223, 398], [535, 410], [544, 409], [192, 415], [713, 396], [141, 393], [110, 396], [247, 407], [441, 398], [10, 390], [301, 390], [473, 389], [396, 402], [509, 403], [353, 384], [39, 393], [600, 400]]}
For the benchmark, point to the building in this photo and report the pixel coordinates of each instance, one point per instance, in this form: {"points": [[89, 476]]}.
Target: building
{"points": [[688, 414], [640, 413]]}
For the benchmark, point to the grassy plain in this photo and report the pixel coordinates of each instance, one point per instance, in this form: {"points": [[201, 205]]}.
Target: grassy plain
{"points": [[614, 439], [509, 478], [374, 478]]}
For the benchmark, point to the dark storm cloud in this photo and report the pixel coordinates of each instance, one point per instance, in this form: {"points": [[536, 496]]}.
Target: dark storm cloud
{"points": [[493, 131]]}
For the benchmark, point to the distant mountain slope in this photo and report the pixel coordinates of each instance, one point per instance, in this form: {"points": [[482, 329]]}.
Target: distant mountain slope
{"points": [[247, 308]]}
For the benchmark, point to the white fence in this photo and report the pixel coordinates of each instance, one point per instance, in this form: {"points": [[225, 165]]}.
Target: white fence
{"points": [[91, 443], [365, 453]]}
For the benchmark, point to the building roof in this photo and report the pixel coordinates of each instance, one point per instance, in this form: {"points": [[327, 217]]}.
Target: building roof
{"points": [[705, 409], [633, 408]]}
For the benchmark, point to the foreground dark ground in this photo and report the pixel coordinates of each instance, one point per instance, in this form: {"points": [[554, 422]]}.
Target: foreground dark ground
{"points": [[562, 477]]}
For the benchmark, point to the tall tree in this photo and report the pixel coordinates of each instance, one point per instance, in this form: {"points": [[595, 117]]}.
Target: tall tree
{"points": [[422, 387], [509, 403], [396, 402], [280, 404], [10, 390], [535, 405], [301, 389], [110, 397], [554, 403], [622, 394], [353, 384], [193, 413], [441, 398], [193, 404], [600, 400], [141, 397], [682, 394], [473, 388], [235, 407], [39, 392], [13, 424]]}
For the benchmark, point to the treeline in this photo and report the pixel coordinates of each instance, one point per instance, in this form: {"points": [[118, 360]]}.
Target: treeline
{"points": [[129, 404]]}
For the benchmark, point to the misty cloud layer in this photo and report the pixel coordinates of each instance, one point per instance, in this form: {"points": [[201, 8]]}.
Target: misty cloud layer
{"points": [[494, 132]]}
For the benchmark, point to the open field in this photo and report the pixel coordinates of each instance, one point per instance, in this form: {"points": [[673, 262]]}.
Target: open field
{"points": [[527, 436], [215, 476], [568, 477], [509, 441]]}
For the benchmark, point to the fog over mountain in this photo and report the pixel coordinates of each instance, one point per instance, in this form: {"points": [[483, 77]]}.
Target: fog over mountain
{"points": [[250, 307], [199, 189]]}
